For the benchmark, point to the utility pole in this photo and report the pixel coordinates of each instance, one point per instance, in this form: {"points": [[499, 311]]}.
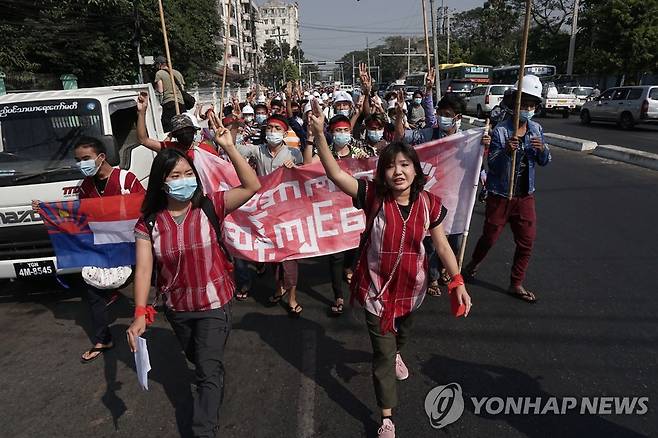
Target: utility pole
{"points": [[409, 56], [238, 34], [448, 35], [283, 63], [353, 67], [437, 82], [572, 39], [368, 50]]}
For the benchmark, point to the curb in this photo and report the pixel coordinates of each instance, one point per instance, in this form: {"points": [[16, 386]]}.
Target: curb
{"points": [[626, 155], [609, 151]]}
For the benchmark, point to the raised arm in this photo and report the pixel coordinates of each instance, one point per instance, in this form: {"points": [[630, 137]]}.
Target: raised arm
{"points": [[428, 99], [366, 87], [288, 95], [399, 116], [346, 182], [142, 134], [235, 197]]}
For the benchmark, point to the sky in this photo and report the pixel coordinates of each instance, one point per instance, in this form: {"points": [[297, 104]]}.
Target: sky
{"points": [[380, 18]]}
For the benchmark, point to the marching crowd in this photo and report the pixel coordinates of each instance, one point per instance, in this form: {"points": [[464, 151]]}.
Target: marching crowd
{"points": [[403, 254]]}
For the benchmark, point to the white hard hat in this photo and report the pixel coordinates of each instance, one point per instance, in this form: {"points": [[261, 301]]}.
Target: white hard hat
{"points": [[342, 96], [306, 93], [324, 96], [307, 107], [261, 98], [316, 94], [531, 86], [247, 109]]}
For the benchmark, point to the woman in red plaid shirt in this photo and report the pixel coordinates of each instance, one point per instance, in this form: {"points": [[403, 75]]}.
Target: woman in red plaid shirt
{"points": [[193, 272], [390, 279]]}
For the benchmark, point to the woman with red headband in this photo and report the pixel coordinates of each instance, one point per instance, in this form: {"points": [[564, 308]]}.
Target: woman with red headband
{"points": [[343, 145], [390, 279]]}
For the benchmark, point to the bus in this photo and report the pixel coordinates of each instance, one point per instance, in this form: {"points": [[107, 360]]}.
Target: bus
{"points": [[461, 78], [510, 74]]}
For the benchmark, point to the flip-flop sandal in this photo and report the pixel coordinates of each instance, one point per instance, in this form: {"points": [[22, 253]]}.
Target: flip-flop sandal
{"points": [[295, 312], [336, 309], [276, 299], [242, 296], [100, 351], [526, 296], [433, 289]]}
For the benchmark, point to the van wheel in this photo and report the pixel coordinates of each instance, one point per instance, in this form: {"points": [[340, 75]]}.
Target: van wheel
{"points": [[479, 113], [585, 118], [626, 121], [565, 114]]}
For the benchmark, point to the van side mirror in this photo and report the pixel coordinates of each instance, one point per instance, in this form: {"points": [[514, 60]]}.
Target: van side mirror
{"points": [[112, 149]]}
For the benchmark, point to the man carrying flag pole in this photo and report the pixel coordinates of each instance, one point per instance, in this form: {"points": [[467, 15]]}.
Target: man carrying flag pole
{"points": [[101, 180]]}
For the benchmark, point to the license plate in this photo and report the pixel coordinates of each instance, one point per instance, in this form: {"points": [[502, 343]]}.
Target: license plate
{"points": [[561, 101], [34, 269]]}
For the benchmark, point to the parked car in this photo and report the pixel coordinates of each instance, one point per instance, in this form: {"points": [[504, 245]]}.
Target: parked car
{"points": [[581, 93], [627, 106], [484, 98]]}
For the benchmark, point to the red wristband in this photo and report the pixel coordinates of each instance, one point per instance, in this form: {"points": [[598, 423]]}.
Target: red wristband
{"points": [[147, 311], [456, 281]]}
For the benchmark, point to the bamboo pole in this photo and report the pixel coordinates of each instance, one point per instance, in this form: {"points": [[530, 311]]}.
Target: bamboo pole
{"points": [[517, 104], [171, 69], [228, 32], [427, 38]]}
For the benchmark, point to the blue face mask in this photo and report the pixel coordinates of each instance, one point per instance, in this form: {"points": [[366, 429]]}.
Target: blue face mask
{"points": [[88, 167], [342, 138], [418, 100], [345, 113], [375, 136], [260, 118], [274, 138], [525, 115], [181, 189], [446, 123]]}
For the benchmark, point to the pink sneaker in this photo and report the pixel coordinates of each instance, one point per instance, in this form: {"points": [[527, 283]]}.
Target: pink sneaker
{"points": [[401, 371], [387, 430]]}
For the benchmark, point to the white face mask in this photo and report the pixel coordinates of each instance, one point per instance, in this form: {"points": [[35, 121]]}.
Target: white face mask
{"points": [[274, 138]]}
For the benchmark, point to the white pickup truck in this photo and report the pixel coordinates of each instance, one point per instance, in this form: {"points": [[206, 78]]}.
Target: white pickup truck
{"points": [[37, 134], [554, 102]]}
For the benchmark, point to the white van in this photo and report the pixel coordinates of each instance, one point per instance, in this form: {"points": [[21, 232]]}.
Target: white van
{"points": [[37, 134], [484, 98]]}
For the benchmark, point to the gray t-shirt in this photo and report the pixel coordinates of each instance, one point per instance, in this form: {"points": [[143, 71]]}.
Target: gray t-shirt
{"points": [[267, 163], [168, 90]]}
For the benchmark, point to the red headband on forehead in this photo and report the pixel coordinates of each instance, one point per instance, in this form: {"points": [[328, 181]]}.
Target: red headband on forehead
{"points": [[340, 124], [281, 123]]}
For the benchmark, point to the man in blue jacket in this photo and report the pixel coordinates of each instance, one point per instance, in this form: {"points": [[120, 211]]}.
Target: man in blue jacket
{"points": [[519, 211]]}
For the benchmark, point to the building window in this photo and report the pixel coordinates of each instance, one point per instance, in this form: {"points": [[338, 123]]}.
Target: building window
{"points": [[236, 67], [233, 32], [283, 21], [234, 50]]}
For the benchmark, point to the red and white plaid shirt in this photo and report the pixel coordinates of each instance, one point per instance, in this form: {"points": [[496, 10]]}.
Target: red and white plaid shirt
{"points": [[390, 280], [193, 272]]}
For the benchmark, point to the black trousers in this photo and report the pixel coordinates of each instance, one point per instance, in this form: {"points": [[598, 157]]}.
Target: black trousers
{"points": [[338, 262], [98, 299], [203, 337], [169, 111]]}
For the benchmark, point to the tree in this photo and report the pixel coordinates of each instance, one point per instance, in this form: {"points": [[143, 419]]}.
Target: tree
{"points": [[94, 39]]}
